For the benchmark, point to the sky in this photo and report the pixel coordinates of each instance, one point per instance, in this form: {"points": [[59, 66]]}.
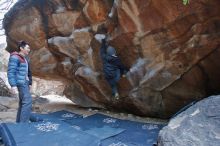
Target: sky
{"points": [[2, 12]]}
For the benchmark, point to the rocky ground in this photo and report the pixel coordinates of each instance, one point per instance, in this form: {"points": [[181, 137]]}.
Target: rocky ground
{"points": [[51, 103]]}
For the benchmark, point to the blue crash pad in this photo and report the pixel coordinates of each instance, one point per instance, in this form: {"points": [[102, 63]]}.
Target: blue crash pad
{"points": [[135, 133], [59, 115], [102, 129], [49, 133]]}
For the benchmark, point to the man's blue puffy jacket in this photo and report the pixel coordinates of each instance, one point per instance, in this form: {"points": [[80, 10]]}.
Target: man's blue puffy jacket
{"points": [[18, 73]]}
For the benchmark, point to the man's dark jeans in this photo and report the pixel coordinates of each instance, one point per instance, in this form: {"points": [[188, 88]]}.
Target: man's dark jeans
{"points": [[25, 103], [114, 82]]}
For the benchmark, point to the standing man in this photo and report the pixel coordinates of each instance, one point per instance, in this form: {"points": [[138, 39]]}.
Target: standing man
{"points": [[112, 67], [20, 79]]}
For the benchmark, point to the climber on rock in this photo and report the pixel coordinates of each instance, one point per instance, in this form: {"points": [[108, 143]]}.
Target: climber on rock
{"points": [[112, 66]]}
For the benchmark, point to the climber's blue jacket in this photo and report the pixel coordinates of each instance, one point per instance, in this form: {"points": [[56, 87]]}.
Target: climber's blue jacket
{"points": [[19, 71], [111, 62]]}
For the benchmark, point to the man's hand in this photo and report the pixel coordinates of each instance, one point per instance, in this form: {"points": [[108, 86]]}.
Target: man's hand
{"points": [[14, 91], [100, 37], [30, 88]]}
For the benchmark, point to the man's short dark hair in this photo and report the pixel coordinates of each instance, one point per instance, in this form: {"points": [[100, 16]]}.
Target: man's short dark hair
{"points": [[21, 44]]}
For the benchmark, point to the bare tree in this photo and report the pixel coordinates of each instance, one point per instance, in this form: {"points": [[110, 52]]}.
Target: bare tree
{"points": [[5, 5]]}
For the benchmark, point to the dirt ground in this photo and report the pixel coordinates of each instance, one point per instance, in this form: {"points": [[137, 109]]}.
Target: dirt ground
{"points": [[52, 103]]}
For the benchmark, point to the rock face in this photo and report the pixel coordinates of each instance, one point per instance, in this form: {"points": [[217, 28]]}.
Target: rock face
{"points": [[198, 125], [172, 50], [42, 87], [4, 90], [4, 55]]}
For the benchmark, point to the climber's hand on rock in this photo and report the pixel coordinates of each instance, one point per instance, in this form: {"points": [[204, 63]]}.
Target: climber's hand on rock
{"points": [[100, 37]]}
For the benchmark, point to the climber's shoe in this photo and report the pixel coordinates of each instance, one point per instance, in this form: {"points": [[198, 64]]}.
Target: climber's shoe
{"points": [[116, 96]]}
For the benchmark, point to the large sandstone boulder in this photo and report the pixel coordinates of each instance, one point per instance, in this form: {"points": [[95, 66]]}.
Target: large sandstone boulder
{"points": [[197, 126], [172, 50]]}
